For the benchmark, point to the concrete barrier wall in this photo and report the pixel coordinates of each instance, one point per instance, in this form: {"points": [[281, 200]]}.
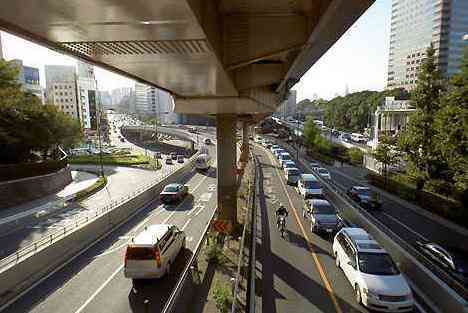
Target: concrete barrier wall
{"points": [[26, 272], [28, 189]]}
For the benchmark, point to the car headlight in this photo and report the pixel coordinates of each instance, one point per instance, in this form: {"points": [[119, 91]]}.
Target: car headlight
{"points": [[370, 293]]}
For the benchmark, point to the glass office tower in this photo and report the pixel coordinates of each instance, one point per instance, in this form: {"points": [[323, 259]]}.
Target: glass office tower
{"points": [[417, 23]]}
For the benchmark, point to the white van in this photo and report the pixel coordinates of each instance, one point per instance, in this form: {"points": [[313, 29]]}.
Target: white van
{"points": [[292, 175], [151, 253], [285, 156], [309, 186], [203, 162]]}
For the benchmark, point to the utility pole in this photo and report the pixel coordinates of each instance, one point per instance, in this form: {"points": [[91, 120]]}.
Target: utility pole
{"points": [[98, 115], [297, 135]]}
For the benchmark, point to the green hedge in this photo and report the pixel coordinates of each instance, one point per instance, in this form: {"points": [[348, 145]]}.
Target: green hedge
{"points": [[24, 170], [449, 209], [98, 185], [118, 160]]}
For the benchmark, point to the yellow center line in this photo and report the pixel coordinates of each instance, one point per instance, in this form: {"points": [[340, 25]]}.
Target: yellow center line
{"points": [[317, 262]]}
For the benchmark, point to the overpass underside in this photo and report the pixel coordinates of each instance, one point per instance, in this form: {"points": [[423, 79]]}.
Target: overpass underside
{"points": [[235, 59]]}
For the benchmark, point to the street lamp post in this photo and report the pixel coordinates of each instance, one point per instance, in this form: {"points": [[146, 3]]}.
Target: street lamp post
{"points": [[98, 124], [297, 136]]}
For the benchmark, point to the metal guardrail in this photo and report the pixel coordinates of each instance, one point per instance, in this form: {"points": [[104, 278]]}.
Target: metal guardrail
{"points": [[240, 262], [170, 305], [440, 278], [51, 237]]}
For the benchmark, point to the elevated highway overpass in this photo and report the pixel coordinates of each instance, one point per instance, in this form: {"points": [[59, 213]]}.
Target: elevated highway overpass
{"points": [[235, 59]]}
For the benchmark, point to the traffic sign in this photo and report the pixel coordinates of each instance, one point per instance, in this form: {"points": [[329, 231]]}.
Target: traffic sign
{"points": [[222, 226]]}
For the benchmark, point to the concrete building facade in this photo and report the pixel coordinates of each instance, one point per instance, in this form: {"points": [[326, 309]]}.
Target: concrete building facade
{"points": [[415, 25], [151, 101], [29, 79], [87, 96], [61, 88], [390, 119], [289, 106]]}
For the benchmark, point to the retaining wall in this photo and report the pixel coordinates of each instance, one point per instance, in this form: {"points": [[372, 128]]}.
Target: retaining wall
{"points": [[31, 188]]}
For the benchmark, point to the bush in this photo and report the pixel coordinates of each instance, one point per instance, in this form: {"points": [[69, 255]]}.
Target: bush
{"points": [[223, 298], [215, 255], [122, 160], [98, 185], [355, 156], [439, 186]]}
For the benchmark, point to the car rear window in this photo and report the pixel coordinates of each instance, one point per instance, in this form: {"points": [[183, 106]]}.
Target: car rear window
{"points": [[310, 184], [293, 172], [171, 189], [140, 253]]}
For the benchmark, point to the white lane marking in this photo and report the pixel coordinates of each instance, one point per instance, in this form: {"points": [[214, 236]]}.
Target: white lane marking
{"points": [[186, 223], [406, 227], [420, 308], [83, 306], [205, 197], [201, 208]]}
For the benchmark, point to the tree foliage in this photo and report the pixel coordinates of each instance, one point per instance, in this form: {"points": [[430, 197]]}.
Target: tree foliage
{"points": [[386, 153], [26, 125], [311, 132], [351, 112], [451, 127], [418, 141]]}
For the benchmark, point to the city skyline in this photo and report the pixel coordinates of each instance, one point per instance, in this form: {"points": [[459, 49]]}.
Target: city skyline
{"points": [[327, 78]]}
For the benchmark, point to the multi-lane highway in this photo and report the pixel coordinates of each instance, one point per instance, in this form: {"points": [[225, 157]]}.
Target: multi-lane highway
{"points": [[297, 273], [94, 281]]}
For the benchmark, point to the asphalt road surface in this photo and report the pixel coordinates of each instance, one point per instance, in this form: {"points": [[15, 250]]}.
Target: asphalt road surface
{"points": [[297, 273], [94, 281]]}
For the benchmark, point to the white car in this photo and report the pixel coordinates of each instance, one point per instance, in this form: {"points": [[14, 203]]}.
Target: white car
{"points": [[309, 186], [151, 253], [324, 173], [376, 280]]}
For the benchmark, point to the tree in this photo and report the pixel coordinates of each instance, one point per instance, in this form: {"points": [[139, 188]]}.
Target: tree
{"points": [[311, 132], [26, 125], [418, 141], [451, 126], [386, 153]]}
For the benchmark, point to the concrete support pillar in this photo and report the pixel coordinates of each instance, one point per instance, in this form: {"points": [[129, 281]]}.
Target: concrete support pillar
{"points": [[226, 148]]}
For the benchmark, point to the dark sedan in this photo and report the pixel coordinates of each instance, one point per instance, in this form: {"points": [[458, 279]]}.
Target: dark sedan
{"points": [[173, 193], [365, 197], [452, 260]]}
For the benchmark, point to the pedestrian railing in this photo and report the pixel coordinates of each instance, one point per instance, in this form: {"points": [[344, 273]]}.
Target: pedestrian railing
{"points": [[56, 234]]}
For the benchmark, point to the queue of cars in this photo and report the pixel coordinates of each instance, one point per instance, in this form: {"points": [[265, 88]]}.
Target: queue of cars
{"points": [[374, 277]]}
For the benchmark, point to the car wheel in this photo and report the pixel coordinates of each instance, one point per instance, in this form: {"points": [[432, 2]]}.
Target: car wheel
{"points": [[357, 292]]}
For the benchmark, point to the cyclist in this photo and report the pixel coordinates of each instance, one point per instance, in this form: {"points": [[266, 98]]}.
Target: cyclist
{"points": [[281, 211]]}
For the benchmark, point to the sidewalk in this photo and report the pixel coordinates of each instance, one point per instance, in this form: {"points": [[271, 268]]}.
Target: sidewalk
{"points": [[48, 204]]}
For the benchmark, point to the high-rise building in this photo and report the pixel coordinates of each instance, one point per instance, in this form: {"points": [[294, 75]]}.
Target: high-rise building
{"points": [[120, 93], [29, 79], [154, 102], [87, 96], [106, 99], [61, 88], [415, 25]]}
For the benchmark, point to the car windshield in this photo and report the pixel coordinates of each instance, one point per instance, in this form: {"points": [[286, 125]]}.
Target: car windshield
{"points": [[310, 184], [364, 192], [323, 171], [285, 157], [171, 189], [289, 164], [293, 172], [324, 208], [377, 264]]}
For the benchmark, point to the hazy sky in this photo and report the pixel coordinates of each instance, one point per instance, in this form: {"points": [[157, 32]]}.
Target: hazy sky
{"points": [[359, 59]]}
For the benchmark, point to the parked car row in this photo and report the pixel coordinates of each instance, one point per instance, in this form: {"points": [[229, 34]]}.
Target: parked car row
{"points": [[374, 277]]}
